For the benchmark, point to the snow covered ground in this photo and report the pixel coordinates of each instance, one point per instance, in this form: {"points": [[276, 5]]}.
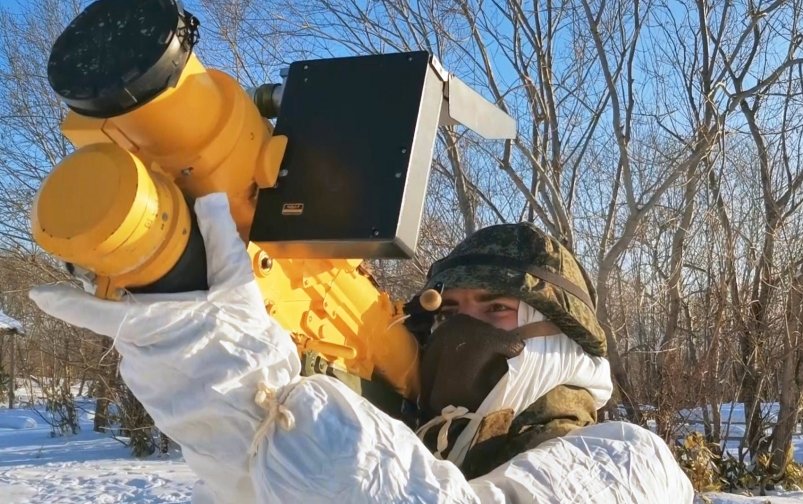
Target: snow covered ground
{"points": [[95, 468], [84, 468], [724, 498]]}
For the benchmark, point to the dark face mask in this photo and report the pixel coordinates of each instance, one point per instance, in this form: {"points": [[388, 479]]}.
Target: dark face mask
{"points": [[465, 358]]}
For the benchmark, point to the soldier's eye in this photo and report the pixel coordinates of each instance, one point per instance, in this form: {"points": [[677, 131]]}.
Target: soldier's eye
{"points": [[499, 307]]}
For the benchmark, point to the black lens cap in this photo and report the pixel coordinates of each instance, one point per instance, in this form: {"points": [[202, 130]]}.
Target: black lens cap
{"points": [[119, 54]]}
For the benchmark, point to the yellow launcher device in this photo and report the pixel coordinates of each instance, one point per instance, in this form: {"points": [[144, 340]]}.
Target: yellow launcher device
{"points": [[154, 129], [165, 128]]}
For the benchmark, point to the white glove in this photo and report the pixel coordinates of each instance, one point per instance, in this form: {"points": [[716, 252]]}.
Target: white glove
{"points": [[196, 359]]}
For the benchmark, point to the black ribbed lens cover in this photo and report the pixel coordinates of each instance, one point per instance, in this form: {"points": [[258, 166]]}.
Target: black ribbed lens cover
{"points": [[119, 54]]}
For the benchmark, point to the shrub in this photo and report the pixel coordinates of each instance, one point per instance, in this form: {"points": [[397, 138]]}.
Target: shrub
{"points": [[709, 469], [700, 461]]}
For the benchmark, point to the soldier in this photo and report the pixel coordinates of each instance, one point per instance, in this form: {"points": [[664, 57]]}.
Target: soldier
{"points": [[197, 361], [516, 305]]}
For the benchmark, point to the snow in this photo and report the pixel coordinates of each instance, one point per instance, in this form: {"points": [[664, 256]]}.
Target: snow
{"points": [[85, 468], [7, 322], [725, 498], [731, 413], [90, 467], [733, 426], [17, 422]]}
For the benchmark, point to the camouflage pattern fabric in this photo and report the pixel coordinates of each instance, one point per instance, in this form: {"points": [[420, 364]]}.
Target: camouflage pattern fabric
{"points": [[501, 436], [513, 245]]}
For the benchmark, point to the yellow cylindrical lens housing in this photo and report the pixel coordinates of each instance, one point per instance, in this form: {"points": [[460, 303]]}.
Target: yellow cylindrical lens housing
{"points": [[101, 209], [204, 133], [172, 127]]}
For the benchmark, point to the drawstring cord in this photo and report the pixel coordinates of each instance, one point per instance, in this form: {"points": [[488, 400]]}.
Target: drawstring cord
{"points": [[275, 411], [396, 320], [448, 414]]}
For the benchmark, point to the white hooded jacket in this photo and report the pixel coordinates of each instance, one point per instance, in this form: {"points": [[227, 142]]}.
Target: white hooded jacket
{"points": [[197, 361]]}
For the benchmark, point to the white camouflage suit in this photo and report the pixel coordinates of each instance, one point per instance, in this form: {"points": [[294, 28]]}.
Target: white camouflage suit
{"points": [[197, 360]]}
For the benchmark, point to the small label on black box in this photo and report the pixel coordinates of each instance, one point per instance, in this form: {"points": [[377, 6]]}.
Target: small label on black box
{"points": [[292, 208]]}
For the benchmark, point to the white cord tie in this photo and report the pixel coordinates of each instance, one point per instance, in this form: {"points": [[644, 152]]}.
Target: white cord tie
{"points": [[276, 412], [448, 414]]}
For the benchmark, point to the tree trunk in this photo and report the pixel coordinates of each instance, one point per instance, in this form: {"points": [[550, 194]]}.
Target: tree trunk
{"points": [[12, 375], [617, 368], [753, 339], [790, 384], [82, 383], [460, 185], [668, 356], [104, 385]]}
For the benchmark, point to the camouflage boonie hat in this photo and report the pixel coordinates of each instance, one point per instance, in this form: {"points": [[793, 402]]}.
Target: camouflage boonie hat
{"points": [[519, 260]]}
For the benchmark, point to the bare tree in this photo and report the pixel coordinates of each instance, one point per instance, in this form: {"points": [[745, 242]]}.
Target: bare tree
{"points": [[660, 140], [612, 126]]}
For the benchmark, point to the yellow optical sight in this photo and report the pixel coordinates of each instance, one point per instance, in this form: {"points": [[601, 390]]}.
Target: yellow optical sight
{"points": [[152, 126]]}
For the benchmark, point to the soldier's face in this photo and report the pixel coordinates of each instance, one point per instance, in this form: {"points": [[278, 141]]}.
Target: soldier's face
{"points": [[499, 311]]}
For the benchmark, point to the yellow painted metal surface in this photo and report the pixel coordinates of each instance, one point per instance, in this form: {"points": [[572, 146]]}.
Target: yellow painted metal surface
{"points": [[81, 130], [271, 159], [101, 209], [333, 307]]}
